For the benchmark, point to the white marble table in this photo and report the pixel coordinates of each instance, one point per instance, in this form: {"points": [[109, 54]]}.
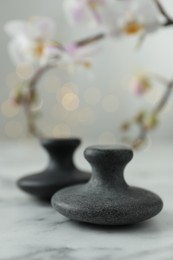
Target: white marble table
{"points": [[30, 230]]}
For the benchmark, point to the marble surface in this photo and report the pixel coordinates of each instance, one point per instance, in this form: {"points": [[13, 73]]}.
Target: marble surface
{"points": [[31, 230]]}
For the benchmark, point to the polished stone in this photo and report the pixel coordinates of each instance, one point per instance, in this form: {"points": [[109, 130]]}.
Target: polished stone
{"points": [[59, 173], [107, 199]]}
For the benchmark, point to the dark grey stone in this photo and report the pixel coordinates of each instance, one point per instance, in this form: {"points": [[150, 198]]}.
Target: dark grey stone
{"points": [[107, 199], [61, 171]]}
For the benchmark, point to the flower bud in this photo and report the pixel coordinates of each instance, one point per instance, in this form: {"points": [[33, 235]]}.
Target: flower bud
{"points": [[125, 126], [141, 84], [151, 122]]}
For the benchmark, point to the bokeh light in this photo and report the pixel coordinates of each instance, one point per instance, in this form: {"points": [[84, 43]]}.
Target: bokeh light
{"points": [[36, 107], [69, 87], [70, 101]]}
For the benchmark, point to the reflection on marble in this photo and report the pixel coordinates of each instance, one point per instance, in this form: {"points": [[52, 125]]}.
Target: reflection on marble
{"points": [[31, 230]]}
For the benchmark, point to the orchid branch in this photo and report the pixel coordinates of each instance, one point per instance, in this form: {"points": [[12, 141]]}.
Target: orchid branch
{"points": [[154, 114], [169, 20], [90, 40], [30, 115]]}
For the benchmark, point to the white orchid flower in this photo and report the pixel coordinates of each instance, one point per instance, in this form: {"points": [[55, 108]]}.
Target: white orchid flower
{"points": [[29, 39], [134, 16], [78, 11]]}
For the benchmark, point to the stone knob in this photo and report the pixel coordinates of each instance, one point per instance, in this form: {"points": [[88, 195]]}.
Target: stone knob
{"points": [[108, 164], [107, 199]]}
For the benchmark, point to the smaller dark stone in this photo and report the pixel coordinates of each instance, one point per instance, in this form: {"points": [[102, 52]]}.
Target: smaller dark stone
{"points": [[107, 199], [61, 171]]}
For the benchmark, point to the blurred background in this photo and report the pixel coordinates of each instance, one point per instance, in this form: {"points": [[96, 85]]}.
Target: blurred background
{"points": [[100, 97]]}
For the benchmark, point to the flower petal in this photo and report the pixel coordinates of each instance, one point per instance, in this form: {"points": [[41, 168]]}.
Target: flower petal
{"points": [[15, 52], [43, 28], [76, 10], [145, 14]]}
